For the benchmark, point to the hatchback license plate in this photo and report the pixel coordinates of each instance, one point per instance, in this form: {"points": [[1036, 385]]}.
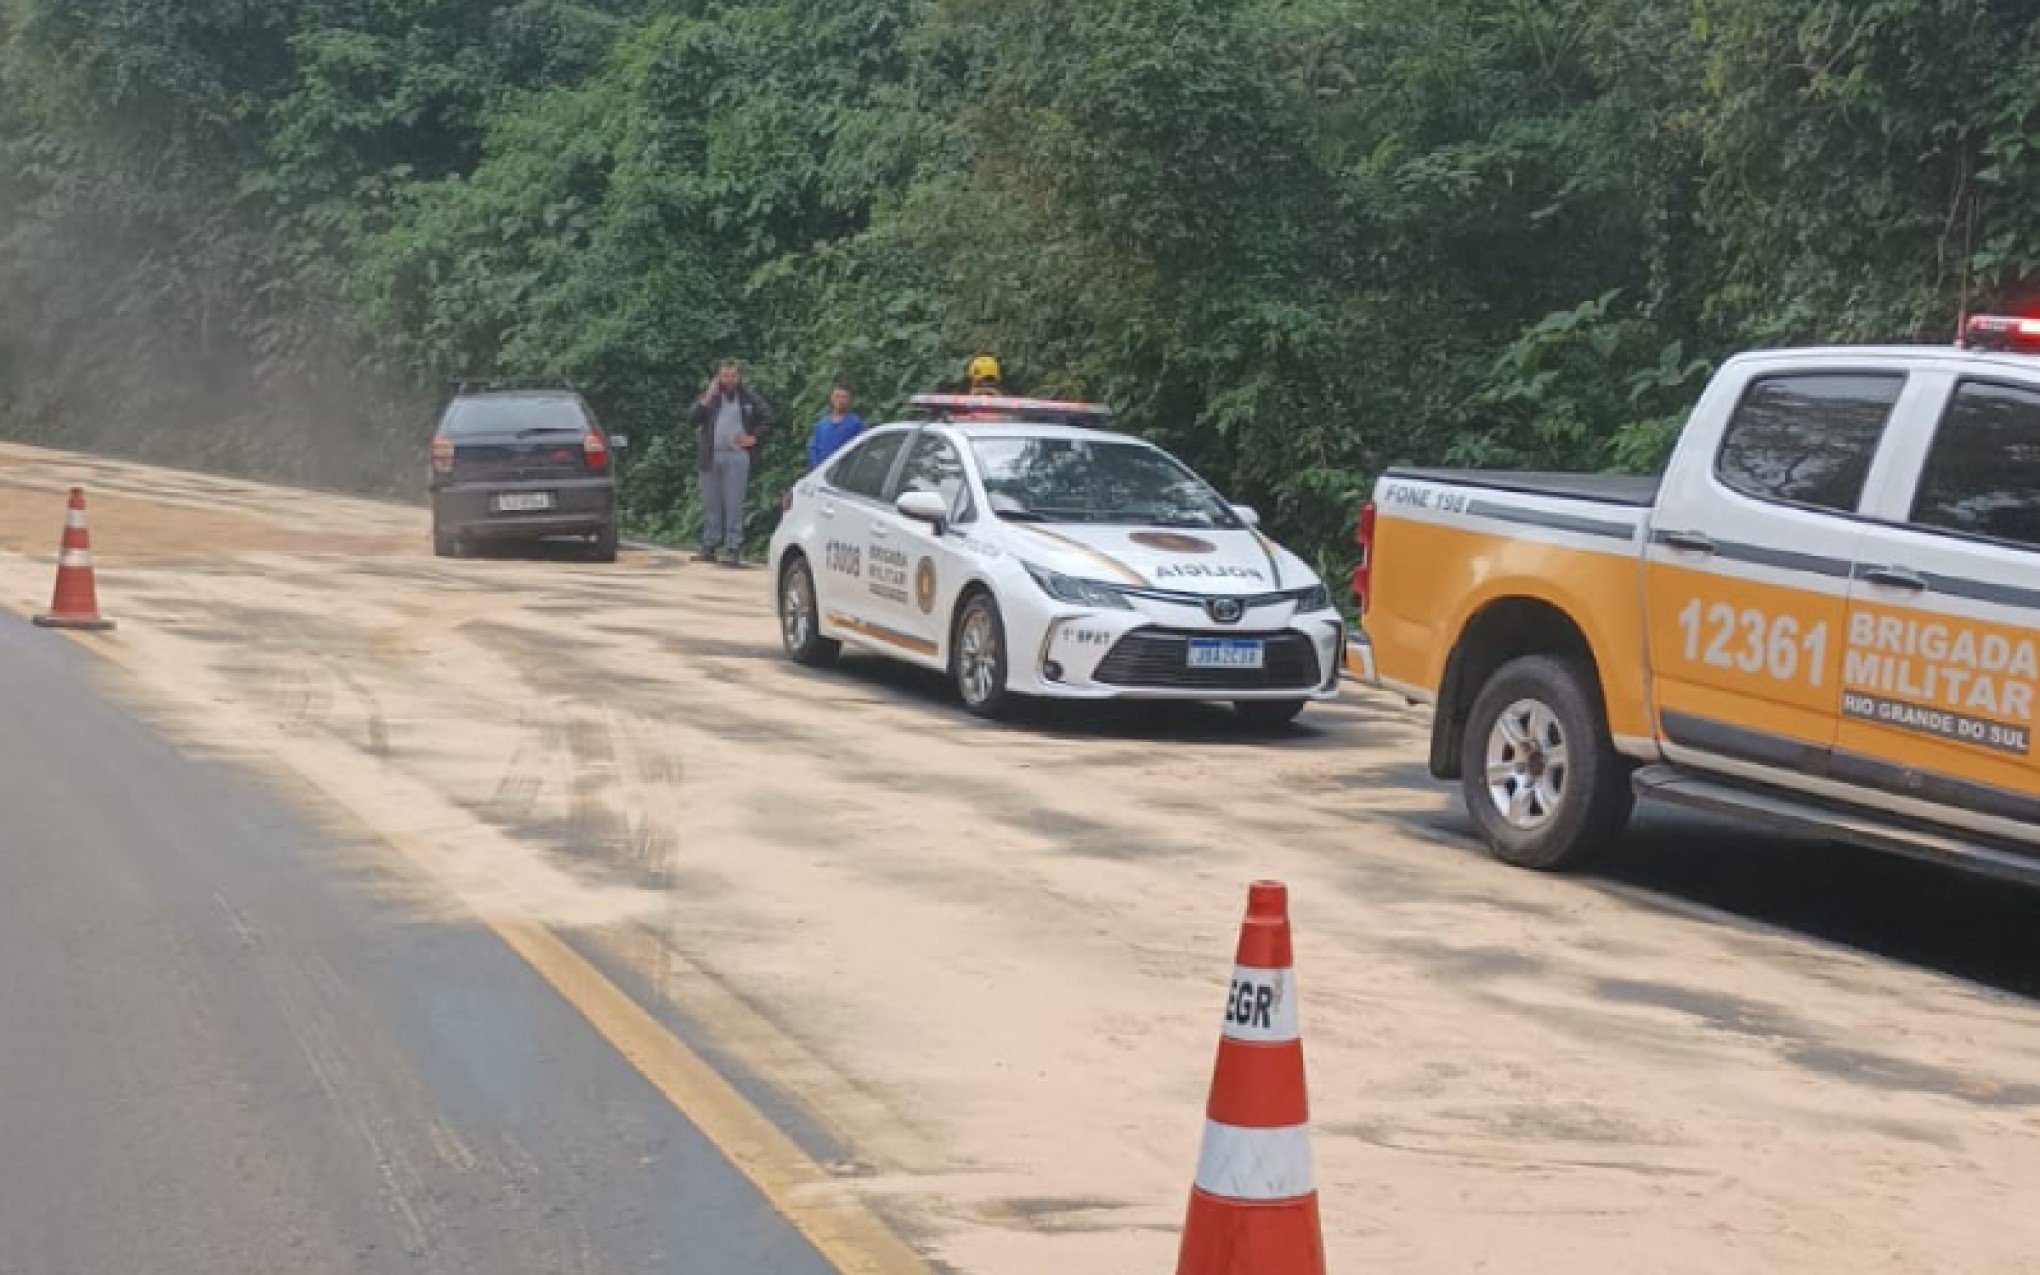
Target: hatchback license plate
{"points": [[523, 502], [1227, 653]]}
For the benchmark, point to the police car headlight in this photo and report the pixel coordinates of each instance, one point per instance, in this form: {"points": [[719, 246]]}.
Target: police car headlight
{"points": [[1315, 598], [1079, 592]]}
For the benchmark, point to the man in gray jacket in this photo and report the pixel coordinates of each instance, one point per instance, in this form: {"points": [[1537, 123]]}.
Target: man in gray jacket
{"points": [[729, 422]]}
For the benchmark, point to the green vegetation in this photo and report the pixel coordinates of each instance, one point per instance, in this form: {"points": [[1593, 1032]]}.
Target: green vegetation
{"points": [[1295, 240]]}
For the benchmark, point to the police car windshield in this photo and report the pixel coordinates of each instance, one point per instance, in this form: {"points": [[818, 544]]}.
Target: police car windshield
{"points": [[1088, 480], [513, 415]]}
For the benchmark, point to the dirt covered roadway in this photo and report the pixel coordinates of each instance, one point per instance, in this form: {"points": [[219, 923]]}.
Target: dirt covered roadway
{"points": [[978, 970]]}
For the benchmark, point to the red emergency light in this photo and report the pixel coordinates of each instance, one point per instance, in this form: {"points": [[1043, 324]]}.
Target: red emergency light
{"points": [[2002, 332], [1363, 574]]}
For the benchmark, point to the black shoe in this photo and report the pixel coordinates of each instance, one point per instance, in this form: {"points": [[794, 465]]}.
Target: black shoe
{"points": [[732, 559], [705, 555]]}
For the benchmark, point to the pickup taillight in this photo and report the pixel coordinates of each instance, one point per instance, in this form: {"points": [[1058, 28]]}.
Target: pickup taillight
{"points": [[595, 450], [1363, 575], [442, 455]]}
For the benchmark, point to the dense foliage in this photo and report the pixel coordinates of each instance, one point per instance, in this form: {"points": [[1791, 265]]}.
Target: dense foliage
{"points": [[1296, 240]]}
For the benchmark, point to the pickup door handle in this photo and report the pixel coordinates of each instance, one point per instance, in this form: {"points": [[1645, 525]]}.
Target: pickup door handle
{"points": [[829, 509], [880, 531], [1689, 542], [1895, 578]]}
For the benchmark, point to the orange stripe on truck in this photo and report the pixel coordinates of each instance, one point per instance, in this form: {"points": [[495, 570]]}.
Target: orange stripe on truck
{"points": [[1431, 580]]}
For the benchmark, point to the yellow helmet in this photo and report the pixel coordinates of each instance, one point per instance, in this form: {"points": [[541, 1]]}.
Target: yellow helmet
{"points": [[984, 369]]}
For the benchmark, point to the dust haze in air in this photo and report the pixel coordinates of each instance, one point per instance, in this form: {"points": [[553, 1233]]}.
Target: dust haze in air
{"points": [[119, 339]]}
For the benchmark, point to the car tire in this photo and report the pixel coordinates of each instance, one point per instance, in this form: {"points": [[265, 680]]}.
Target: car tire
{"points": [[445, 544], [800, 616], [1538, 772], [1267, 714], [977, 657], [603, 548]]}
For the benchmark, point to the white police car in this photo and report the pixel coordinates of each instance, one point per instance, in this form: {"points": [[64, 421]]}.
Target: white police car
{"points": [[1024, 550]]}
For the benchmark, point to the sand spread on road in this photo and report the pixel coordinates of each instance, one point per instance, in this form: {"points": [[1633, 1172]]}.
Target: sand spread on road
{"points": [[990, 962]]}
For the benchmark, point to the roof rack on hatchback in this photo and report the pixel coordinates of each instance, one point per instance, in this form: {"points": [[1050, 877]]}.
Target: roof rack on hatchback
{"points": [[989, 407], [510, 384]]}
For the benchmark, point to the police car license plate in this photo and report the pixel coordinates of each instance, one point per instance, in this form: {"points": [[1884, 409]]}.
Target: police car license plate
{"points": [[1227, 653], [523, 502]]}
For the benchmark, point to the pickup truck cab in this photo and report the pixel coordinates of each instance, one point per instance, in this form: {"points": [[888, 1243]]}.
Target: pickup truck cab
{"points": [[1823, 617]]}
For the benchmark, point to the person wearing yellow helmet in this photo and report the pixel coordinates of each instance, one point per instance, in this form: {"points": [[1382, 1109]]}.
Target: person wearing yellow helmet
{"points": [[983, 375]]}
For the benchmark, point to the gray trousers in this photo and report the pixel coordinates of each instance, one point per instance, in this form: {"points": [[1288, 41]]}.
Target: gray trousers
{"points": [[722, 501]]}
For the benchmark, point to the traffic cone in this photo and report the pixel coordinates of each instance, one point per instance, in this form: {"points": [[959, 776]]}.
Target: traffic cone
{"points": [[1254, 1208], [76, 605]]}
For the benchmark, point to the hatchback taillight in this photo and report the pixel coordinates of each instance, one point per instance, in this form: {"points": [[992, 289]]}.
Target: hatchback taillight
{"points": [[595, 450], [442, 455], [1363, 575]]}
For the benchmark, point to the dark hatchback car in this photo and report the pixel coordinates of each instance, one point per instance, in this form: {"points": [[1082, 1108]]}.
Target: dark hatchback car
{"points": [[522, 464]]}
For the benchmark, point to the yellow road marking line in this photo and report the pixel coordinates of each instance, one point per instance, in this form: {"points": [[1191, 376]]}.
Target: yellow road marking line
{"points": [[846, 1233]]}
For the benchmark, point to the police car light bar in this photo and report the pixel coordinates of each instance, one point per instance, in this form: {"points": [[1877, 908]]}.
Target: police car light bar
{"points": [[2002, 332], [953, 407]]}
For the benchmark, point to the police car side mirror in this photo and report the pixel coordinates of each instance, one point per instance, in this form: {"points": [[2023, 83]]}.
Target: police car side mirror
{"points": [[923, 506], [1247, 514]]}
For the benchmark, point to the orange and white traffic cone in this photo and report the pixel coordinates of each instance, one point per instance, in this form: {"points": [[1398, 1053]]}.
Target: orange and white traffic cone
{"points": [[1254, 1210], [76, 605]]}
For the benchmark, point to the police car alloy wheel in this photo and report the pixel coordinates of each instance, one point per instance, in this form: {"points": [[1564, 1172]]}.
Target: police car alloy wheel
{"points": [[1540, 776], [981, 658], [799, 623]]}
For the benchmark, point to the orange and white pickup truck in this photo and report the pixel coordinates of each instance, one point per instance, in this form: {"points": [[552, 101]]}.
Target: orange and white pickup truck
{"points": [[1822, 618]]}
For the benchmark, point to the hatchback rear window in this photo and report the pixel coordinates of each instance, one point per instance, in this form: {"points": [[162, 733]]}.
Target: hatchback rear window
{"points": [[506, 415]]}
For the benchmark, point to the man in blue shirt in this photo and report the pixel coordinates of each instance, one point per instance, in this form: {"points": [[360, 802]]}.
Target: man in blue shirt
{"points": [[834, 429]]}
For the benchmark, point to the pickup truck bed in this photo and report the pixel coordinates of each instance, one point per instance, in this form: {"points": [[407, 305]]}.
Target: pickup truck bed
{"points": [[1613, 489]]}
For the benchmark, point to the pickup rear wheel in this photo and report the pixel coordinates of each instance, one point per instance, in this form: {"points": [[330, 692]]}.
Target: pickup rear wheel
{"points": [[1540, 776]]}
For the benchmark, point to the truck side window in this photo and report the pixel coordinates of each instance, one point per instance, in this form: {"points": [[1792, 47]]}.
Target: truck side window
{"points": [[1807, 439], [1983, 474]]}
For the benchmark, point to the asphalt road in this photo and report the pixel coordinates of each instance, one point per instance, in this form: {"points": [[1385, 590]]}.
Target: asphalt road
{"points": [[227, 1044]]}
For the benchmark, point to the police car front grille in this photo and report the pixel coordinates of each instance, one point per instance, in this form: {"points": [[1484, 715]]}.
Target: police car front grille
{"points": [[1159, 659]]}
